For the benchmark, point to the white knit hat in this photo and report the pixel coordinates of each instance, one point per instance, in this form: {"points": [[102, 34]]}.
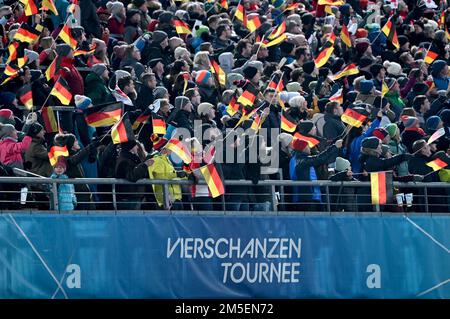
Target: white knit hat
{"points": [[285, 140], [342, 164]]}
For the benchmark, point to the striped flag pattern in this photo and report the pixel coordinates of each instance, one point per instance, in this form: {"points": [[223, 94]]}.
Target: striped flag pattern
{"points": [[381, 187], [180, 150], [55, 152], [213, 180]]}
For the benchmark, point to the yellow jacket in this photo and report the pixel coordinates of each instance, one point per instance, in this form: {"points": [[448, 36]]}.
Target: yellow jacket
{"points": [[162, 168]]}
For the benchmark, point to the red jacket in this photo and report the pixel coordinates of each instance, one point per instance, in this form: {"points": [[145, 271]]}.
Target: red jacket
{"points": [[73, 77], [115, 27], [11, 151]]}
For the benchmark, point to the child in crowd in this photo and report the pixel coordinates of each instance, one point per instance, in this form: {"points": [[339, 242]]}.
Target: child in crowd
{"points": [[67, 199]]}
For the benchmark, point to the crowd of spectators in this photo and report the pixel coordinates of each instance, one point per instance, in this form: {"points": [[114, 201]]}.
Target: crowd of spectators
{"points": [[138, 57]]}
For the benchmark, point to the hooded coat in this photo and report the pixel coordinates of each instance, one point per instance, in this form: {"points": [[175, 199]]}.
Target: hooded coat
{"points": [[97, 90]]}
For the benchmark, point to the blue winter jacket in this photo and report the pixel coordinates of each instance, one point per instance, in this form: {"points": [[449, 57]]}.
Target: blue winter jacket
{"points": [[355, 147], [67, 199]]}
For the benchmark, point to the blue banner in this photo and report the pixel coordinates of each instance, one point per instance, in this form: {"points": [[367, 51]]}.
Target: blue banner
{"points": [[216, 256]]}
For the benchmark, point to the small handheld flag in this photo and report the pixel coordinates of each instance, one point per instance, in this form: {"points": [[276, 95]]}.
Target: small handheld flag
{"points": [[353, 118], [62, 91], [213, 180], [180, 150], [55, 152], [122, 131], [381, 187], [436, 135]]}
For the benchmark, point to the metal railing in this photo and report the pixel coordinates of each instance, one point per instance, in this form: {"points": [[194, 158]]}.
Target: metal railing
{"points": [[241, 195]]}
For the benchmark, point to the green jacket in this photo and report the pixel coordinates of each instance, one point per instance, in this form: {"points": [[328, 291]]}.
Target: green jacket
{"points": [[396, 102], [96, 89]]}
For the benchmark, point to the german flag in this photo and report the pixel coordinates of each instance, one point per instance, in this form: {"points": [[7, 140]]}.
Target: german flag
{"points": [[26, 96], [180, 26], [256, 124], [223, 4], [11, 70], [100, 115], [279, 30], [430, 57], [49, 5], [441, 21], [381, 187], [12, 51], [55, 152], [345, 36], [338, 97], [323, 57], [48, 116], [159, 126], [292, 7], [122, 131], [66, 36], [51, 70], [287, 124], [233, 106], [141, 119], [276, 83], [353, 118], [437, 164], [331, 3], [310, 140], [278, 40], [384, 89], [240, 14], [391, 33], [331, 38], [350, 69], [218, 71], [62, 91], [31, 8], [26, 34], [180, 150], [253, 24], [83, 52], [248, 97], [213, 180]]}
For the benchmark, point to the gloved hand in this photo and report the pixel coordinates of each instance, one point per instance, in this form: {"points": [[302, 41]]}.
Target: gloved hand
{"points": [[31, 118], [181, 174]]}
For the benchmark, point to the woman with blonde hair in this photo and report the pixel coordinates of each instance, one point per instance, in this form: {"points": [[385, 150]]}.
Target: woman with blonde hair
{"points": [[201, 61]]}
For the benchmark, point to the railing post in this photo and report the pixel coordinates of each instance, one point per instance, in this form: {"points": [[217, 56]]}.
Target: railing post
{"points": [[426, 197], [223, 203], [328, 198], [274, 198], [166, 196], [114, 196], [55, 197]]}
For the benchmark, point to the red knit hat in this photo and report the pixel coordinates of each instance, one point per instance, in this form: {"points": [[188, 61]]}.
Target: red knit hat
{"points": [[361, 33], [6, 113], [299, 145]]}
